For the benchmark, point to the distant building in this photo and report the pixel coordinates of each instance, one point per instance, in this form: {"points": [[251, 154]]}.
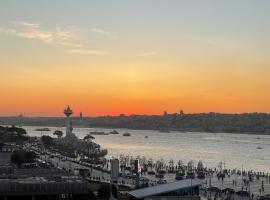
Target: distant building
{"points": [[81, 116], [5, 152]]}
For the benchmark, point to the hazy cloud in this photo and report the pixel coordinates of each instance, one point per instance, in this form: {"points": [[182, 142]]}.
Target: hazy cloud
{"points": [[153, 53], [34, 31], [90, 52], [103, 32], [67, 38]]}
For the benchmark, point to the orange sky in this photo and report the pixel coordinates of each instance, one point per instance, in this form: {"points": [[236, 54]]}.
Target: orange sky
{"points": [[101, 63]]}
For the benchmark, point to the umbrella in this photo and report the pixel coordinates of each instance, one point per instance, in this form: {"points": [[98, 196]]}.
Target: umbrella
{"points": [[242, 193], [213, 189], [229, 190]]}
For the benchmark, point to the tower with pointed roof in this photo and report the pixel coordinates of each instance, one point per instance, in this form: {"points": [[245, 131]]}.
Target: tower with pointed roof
{"points": [[68, 112]]}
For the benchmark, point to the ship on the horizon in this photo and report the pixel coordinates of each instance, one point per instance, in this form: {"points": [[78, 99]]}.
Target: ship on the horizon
{"points": [[42, 129]]}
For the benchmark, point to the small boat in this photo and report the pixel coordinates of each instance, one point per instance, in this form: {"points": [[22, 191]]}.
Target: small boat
{"points": [[259, 147], [98, 133], [146, 136], [162, 171], [159, 176], [151, 172], [126, 134], [114, 132], [42, 129], [179, 176], [258, 138]]}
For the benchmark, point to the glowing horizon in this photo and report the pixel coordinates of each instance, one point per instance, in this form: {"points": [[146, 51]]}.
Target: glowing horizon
{"points": [[143, 57]]}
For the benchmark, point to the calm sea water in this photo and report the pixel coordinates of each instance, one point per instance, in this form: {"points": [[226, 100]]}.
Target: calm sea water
{"points": [[235, 150]]}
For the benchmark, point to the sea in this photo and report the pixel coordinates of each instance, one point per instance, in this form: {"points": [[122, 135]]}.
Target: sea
{"points": [[235, 151]]}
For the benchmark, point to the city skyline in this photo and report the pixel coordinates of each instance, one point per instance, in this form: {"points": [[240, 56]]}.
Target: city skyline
{"points": [[134, 57]]}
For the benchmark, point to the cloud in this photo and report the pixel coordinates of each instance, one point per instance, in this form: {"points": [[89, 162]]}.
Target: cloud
{"points": [[153, 53], [26, 24], [91, 52], [103, 32], [30, 30], [67, 38], [71, 45]]}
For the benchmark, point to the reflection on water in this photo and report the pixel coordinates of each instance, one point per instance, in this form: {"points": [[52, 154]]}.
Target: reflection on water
{"points": [[233, 149]]}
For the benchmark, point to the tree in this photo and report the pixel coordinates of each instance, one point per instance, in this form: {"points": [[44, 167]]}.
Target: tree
{"points": [[17, 158], [29, 156], [19, 131], [88, 137], [21, 156], [47, 140], [58, 133]]}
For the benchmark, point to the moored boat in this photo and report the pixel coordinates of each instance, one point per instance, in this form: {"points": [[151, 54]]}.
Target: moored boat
{"points": [[126, 134], [114, 132], [98, 133], [42, 129]]}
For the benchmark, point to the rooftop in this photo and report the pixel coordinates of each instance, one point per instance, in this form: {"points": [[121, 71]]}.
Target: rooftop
{"points": [[164, 188]]}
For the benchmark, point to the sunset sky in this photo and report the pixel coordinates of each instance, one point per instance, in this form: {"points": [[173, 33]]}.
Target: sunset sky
{"points": [[106, 57]]}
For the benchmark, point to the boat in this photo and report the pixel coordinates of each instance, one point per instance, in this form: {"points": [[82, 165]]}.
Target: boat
{"points": [[126, 134], [114, 132], [171, 169], [259, 147], [258, 138], [159, 176], [98, 133], [42, 129], [179, 176], [146, 136], [162, 171], [151, 172]]}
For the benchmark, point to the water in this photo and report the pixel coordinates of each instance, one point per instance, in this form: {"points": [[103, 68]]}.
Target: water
{"points": [[235, 150]]}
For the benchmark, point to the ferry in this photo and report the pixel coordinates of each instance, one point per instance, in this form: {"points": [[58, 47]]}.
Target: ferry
{"points": [[126, 134], [114, 132], [42, 129], [98, 133]]}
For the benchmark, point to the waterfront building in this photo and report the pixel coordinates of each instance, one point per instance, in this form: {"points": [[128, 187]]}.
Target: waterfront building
{"points": [[180, 190]]}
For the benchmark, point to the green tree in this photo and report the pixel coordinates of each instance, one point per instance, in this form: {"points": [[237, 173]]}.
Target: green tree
{"points": [[58, 133], [47, 140], [17, 158], [29, 156]]}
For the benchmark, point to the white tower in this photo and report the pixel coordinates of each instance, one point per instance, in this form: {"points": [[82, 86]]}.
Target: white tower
{"points": [[68, 112]]}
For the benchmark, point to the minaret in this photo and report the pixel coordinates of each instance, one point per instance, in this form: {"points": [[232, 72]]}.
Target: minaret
{"points": [[68, 112], [81, 116]]}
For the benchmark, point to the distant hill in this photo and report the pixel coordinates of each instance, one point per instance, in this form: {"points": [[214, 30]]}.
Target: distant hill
{"points": [[205, 122]]}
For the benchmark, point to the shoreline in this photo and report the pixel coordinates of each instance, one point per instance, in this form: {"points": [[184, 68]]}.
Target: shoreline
{"points": [[171, 131]]}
